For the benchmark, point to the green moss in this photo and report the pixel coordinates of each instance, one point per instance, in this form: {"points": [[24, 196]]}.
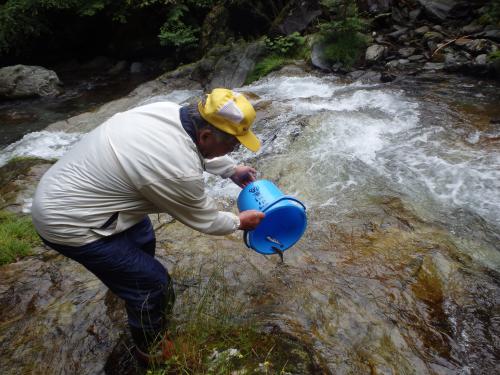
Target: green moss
{"points": [[494, 56], [344, 48], [265, 66], [17, 166], [17, 237]]}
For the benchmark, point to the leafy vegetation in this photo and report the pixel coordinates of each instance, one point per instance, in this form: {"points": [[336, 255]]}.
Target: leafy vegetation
{"points": [[342, 34], [22, 20], [17, 237], [491, 15], [280, 51], [494, 56], [290, 45]]}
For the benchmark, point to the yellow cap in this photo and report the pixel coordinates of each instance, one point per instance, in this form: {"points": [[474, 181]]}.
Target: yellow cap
{"points": [[232, 113]]}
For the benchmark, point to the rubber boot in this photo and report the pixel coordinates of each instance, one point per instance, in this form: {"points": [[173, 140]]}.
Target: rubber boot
{"points": [[147, 349]]}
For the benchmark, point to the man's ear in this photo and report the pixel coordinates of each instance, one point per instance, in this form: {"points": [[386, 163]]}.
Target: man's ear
{"points": [[205, 136]]}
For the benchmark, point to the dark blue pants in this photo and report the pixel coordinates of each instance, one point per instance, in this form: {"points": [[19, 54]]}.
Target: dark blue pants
{"points": [[125, 263]]}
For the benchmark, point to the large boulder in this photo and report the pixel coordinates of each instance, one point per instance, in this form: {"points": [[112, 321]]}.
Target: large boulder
{"points": [[440, 10], [297, 16], [21, 81], [232, 69], [375, 53], [318, 59]]}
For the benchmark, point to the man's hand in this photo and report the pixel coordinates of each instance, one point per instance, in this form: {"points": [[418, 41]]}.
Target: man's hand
{"points": [[243, 175], [250, 219]]}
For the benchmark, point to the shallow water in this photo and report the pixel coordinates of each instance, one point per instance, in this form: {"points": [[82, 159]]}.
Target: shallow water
{"points": [[402, 184], [83, 91], [398, 272]]}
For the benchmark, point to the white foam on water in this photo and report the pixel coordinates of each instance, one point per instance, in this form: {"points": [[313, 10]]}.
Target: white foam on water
{"points": [[43, 144], [372, 130], [286, 88]]}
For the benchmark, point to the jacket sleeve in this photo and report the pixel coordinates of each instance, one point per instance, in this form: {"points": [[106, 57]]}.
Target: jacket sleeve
{"points": [[186, 201], [222, 166]]}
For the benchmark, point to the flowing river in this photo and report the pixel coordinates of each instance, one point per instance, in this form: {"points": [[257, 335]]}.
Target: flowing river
{"points": [[398, 271]]}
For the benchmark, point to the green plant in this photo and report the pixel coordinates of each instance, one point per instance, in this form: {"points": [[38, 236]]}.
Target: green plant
{"points": [[342, 34], [494, 56], [290, 45], [24, 20], [175, 31], [345, 48], [491, 15], [265, 66], [21, 20], [213, 336], [17, 237]]}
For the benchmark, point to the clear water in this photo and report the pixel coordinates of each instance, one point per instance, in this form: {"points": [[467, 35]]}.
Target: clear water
{"points": [[399, 269]]}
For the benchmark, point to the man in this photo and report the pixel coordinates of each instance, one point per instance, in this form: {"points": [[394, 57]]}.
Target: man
{"points": [[92, 205]]}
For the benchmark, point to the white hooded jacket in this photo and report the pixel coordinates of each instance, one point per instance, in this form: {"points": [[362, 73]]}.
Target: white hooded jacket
{"points": [[138, 162]]}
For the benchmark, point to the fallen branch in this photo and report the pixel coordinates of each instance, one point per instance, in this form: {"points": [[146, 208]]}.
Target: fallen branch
{"points": [[448, 43]]}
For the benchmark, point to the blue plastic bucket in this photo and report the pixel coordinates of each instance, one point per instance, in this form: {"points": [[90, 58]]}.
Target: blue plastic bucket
{"points": [[285, 220]]}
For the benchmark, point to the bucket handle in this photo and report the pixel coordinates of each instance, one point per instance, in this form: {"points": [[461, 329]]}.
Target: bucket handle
{"points": [[283, 198], [245, 233]]}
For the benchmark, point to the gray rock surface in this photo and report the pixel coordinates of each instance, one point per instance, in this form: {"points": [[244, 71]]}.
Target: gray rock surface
{"points": [[232, 69], [406, 51], [297, 19], [21, 81], [441, 10], [375, 53], [317, 57]]}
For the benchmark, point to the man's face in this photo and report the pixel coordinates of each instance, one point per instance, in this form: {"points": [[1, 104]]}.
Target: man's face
{"points": [[210, 146]]}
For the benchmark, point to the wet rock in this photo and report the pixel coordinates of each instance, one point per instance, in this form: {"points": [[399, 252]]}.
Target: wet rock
{"points": [[422, 30], [492, 35], [406, 51], [398, 33], [298, 18], [400, 63], [56, 317], [318, 59], [18, 180], [118, 68], [478, 46], [365, 76], [455, 61], [414, 58], [399, 14], [440, 10], [176, 80], [472, 28], [415, 14], [375, 53], [434, 36], [22, 81], [433, 66], [387, 77], [481, 60], [232, 70]]}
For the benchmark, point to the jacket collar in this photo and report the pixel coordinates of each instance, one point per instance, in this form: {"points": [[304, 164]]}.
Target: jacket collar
{"points": [[187, 123]]}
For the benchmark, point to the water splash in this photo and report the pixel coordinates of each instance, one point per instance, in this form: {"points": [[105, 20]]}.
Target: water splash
{"points": [[44, 144]]}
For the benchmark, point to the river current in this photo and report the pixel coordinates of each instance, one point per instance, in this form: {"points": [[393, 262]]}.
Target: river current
{"points": [[399, 269]]}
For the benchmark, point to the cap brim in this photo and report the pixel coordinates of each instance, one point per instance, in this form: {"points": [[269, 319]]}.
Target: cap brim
{"points": [[250, 141]]}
